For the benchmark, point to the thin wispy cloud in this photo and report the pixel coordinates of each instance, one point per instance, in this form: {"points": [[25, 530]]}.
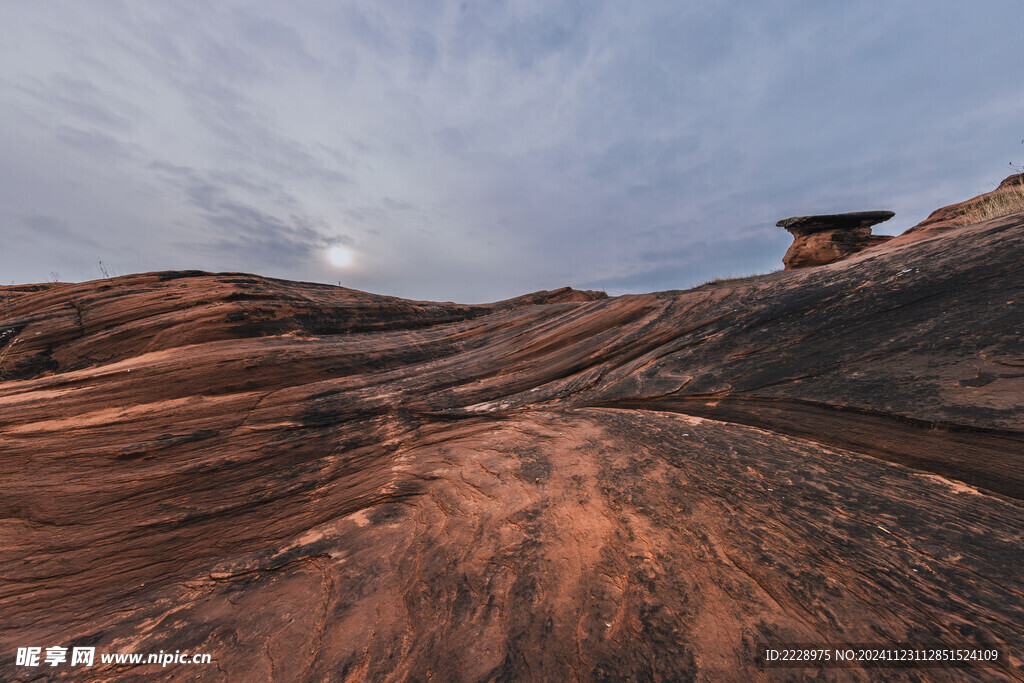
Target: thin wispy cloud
{"points": [[474, 151]]}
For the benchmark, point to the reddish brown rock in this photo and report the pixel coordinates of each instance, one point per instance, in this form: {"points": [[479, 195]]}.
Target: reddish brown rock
{"points": [[313, 483], [819, 240]]}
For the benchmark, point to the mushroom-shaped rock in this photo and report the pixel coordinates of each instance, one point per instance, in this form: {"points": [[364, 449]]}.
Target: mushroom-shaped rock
{"points": [[818, 240]]}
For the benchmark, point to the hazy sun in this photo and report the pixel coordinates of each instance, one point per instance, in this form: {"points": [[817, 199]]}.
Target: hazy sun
{"points": [[340, 256]]}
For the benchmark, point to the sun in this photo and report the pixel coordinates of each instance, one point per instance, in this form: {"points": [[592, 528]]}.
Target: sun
{"points": [[340, 256]]}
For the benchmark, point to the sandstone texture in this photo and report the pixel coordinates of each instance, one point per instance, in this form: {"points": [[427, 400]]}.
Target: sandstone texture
{"points": [[312, 483], [823, 239]]}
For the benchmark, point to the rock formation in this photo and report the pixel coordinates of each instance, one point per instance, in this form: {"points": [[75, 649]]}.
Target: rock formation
{"points": [[818, 240], [313, 483]]}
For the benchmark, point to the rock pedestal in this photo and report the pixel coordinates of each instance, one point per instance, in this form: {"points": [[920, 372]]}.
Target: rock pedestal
{"points": [[818, 240]]}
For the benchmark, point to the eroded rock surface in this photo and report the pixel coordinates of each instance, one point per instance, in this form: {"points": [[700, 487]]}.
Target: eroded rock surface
{"points": [[827, 238], [314, 483]]}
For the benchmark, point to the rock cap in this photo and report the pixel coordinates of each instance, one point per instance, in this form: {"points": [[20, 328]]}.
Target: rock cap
{"points": [[804, 225]]}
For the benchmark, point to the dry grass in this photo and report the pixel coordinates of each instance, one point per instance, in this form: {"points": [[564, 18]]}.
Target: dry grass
{"points": [[6, 350], [733, 279], [1000, 203]]}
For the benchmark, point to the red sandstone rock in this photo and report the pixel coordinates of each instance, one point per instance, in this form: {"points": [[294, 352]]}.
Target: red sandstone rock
{"points": [[818, 240], [314, 483]]}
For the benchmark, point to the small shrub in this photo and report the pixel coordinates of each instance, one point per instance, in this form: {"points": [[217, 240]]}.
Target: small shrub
{"points": [[3, 354], [1000, 203], [730, 279]]}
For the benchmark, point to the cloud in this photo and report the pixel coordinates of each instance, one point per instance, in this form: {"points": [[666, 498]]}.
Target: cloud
{"points": [[63, 96], [95, 143], [756, 249], [257, 237], [249, 220], [50, 228], [471, 150]]}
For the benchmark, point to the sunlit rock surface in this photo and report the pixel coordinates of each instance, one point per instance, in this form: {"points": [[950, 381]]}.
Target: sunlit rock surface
{"points": [[314, 483]]}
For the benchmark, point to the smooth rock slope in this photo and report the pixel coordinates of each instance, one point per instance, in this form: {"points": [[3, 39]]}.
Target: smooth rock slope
{"points": [[314, 483]]}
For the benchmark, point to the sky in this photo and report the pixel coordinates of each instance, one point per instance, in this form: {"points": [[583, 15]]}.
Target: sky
{"points": [[474, 151]]}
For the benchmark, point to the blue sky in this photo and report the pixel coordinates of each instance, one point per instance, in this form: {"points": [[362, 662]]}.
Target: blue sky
{"points": [[474, 151]]}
